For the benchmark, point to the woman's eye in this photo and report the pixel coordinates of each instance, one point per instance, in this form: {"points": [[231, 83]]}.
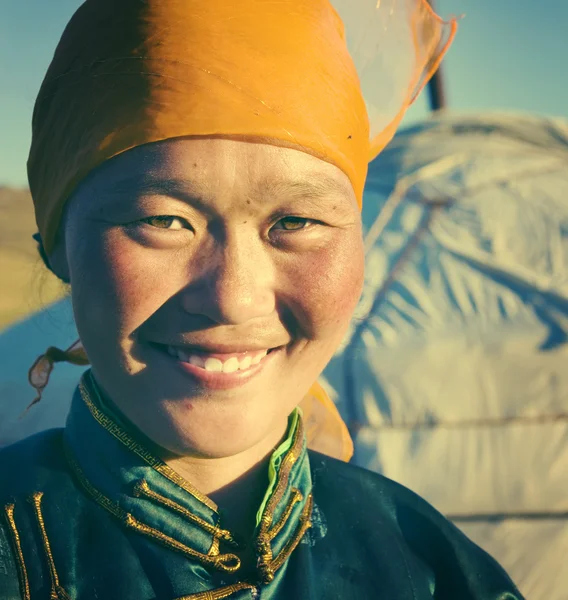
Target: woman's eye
{"points": [[293, 223], [166, 222]]}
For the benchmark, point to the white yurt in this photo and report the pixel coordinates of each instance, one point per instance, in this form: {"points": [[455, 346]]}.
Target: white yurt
{"points": [[454, 376]]}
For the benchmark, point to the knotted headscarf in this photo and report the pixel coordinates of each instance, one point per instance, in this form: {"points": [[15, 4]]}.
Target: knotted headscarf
{"points": [[330, 78]]}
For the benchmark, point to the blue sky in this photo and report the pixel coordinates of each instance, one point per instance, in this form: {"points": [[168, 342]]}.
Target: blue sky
{"points": [[509, 54]]}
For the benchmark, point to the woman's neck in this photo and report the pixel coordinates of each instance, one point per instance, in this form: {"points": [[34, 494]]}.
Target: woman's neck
{"points": [[237, 484]]}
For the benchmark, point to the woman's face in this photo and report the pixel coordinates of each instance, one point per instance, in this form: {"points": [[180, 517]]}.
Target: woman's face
{"points": [[212, 281]]}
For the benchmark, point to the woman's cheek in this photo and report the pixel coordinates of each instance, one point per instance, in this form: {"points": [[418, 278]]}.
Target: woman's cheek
{"points": [[126, 282], [328, 284], [144, 279]]}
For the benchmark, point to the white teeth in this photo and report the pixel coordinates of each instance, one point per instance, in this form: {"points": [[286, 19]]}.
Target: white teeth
{"points": [[183, 356], [245, 363], [231, 365], [258, 358], [197, 361], [214, 365]]}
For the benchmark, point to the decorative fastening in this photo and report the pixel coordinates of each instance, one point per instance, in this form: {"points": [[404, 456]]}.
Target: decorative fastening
{"points": [[57, 591], [228, 563], [143, 490]]}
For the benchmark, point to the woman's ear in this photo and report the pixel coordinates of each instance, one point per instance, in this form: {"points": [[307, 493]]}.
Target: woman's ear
{"points": [[56, 262]]}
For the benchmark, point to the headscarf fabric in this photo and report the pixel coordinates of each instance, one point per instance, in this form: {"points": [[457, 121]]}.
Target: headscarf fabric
{"points": [[330, 78]]}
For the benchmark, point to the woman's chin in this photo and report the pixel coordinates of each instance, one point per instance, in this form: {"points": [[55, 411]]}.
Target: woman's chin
{"points": [[191, 412], [207, 429]]}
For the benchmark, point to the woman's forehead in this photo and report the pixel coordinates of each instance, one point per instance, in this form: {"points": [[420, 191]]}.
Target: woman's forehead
{"points": [[202, 167]]}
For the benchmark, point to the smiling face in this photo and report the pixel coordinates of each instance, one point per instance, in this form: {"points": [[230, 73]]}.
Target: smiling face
{"points": [[212, 280]]}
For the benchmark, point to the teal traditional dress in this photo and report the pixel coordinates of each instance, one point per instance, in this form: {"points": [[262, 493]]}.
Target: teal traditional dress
{"points": [[90, 513]]}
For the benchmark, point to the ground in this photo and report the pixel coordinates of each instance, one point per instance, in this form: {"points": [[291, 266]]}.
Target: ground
{"points": [[25, 283]]}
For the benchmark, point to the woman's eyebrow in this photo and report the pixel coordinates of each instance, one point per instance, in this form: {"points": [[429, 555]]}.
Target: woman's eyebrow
{"points": [[315, 187], [155, 185], [184, 190]]}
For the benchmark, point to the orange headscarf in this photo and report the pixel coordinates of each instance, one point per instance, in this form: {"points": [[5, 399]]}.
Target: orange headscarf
{"points": [[330, 78]]}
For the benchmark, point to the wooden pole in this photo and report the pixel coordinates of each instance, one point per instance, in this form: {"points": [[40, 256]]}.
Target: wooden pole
{"points": [[436, 88], [436, 93]]}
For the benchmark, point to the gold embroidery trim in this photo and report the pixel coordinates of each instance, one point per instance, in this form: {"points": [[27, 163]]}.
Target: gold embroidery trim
{"points": [[57, 591], [283, 475], [297, 496], [267, 566], [22, 571], [220, 593], [304, 525], [215, 548], [98, 497], [228, 563], [143, 490], [114, 429]]}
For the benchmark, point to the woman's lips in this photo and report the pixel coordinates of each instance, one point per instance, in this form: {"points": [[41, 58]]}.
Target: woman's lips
{"points": [[216, 370]]}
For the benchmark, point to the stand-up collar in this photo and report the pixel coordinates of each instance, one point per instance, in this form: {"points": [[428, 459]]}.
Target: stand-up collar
{"points": [[114, 465]]}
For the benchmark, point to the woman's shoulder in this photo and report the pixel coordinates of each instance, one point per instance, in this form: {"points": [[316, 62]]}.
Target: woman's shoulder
{"points": [[30, 464], [357, 484], [358, 491], [30, 469], [397, 523]]}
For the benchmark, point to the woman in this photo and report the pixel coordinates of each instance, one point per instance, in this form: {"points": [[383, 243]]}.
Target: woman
{"points": [[200, 192]]}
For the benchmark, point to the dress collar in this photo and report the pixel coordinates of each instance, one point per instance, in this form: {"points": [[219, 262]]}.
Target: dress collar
{"points": [[117, 467]]}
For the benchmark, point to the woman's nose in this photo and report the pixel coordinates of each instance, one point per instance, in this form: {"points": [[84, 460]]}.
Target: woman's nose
{"points": [[237, 286]]}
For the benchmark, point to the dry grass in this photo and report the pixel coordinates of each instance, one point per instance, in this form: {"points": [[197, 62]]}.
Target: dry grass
{"points": [[25, 284]]}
